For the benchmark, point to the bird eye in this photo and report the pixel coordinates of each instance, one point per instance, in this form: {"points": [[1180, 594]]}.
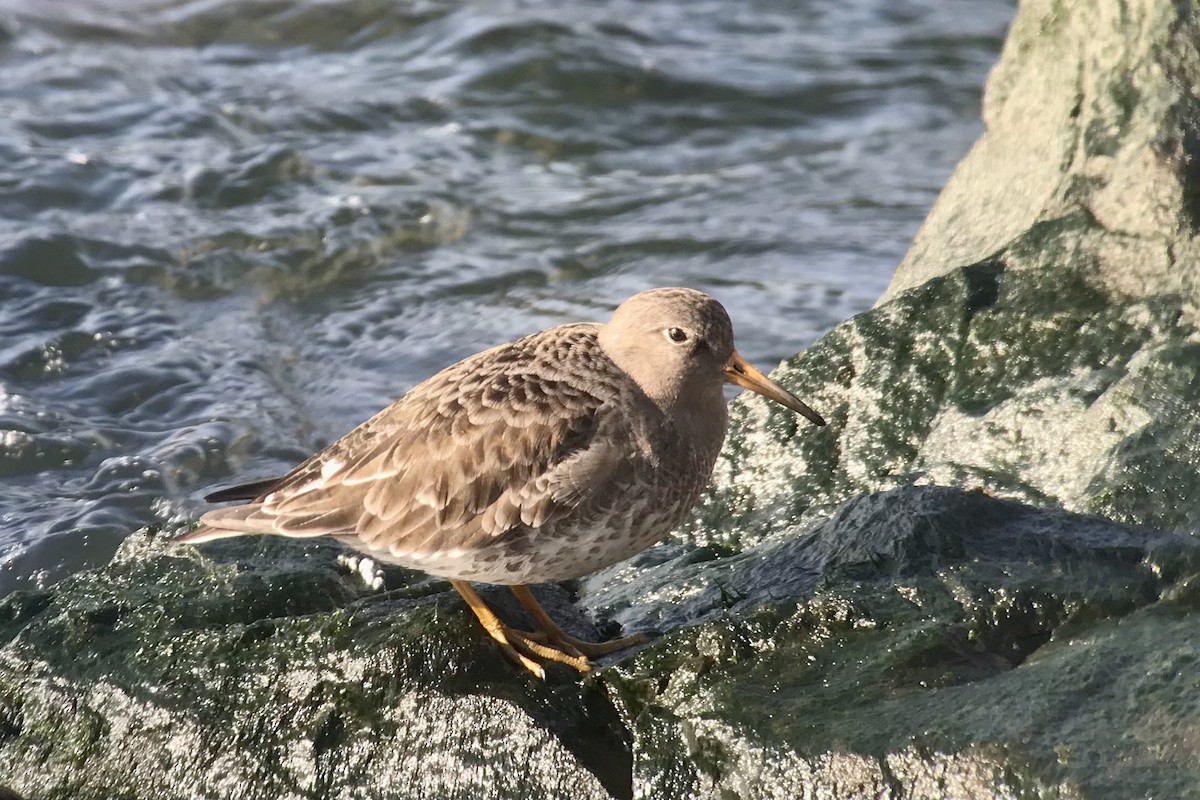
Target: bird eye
{"points": [[677, 335]]}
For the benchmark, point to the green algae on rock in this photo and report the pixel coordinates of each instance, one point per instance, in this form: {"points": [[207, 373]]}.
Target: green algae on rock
{"points": [[259, 671], [1028, 384], [918, 641], [924, 642]]}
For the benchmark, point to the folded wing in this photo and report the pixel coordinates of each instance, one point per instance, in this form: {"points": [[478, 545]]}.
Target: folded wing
{"points": [[495, 443]]}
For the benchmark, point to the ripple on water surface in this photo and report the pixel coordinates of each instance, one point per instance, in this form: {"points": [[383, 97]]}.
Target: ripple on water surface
{"points": [[229, 232]]}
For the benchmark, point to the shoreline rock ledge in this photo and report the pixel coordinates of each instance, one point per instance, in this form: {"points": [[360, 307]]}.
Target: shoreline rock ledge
{"points": [[981, 580]]}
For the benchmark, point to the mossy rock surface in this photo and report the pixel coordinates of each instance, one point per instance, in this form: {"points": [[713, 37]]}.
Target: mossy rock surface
{"points": [[260, 669], [920, 641]]}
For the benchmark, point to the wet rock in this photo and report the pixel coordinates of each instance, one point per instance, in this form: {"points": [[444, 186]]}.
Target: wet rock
{"points": [[1029, 384], [917, 642], [921, 643], [260, 671]]}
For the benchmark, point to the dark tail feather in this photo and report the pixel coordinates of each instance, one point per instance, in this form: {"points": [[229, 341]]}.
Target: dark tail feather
{"points": [[245, 491]]}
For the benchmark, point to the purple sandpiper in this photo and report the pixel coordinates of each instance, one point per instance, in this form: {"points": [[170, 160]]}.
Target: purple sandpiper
{"points": [[543, 459]]}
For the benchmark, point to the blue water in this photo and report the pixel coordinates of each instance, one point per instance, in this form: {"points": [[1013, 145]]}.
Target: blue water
{"points": [[229, 231]]}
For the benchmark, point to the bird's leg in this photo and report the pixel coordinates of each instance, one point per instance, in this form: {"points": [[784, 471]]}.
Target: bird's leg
{"points": [[519, 646], [555, 635]]}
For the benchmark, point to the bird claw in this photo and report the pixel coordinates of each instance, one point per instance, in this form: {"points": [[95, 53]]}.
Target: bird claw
{"points": [[598, 649], [562, 648], [534, 646], [549, 643], [364, 567]]}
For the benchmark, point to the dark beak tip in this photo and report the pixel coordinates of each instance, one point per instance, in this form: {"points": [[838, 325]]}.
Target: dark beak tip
{"points": [[814, 418]]}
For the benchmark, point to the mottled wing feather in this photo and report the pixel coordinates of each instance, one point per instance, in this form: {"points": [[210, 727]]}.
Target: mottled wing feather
{"points": [[502, 440]]}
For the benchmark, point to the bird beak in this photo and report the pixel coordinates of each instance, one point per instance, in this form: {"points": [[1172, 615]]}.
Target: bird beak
{"points": [[739, 371]]}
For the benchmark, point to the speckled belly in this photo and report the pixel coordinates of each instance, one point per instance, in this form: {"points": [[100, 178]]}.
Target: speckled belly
{"points": [[553, 553], [637, 510]]}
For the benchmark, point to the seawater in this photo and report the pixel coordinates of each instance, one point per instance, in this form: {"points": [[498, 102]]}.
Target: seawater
{"points": [[229, 232]]}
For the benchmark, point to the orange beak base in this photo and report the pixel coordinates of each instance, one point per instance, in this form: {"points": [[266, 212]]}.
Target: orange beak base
{"points": [[740, 372]]}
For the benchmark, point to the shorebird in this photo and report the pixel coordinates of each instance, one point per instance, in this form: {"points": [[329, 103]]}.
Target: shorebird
{"points": [[543, 459]]}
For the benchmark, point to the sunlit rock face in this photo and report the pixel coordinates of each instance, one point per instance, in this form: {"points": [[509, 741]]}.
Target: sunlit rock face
{"points": [[980, 580], [1088, 156], [1055, 358]]}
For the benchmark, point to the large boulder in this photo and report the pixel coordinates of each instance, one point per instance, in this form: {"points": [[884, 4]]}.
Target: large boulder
{"points": [[261, 670], [1040, 338], [1088, 158], [922, 643], [978, 581], [918, 642]]}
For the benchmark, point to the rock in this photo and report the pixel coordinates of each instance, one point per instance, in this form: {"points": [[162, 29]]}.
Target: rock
{"points": [[835, 621], [261, 671], [1030, 384], [1089, 157], [918, 642], [1040, 339], [925, 643]]}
